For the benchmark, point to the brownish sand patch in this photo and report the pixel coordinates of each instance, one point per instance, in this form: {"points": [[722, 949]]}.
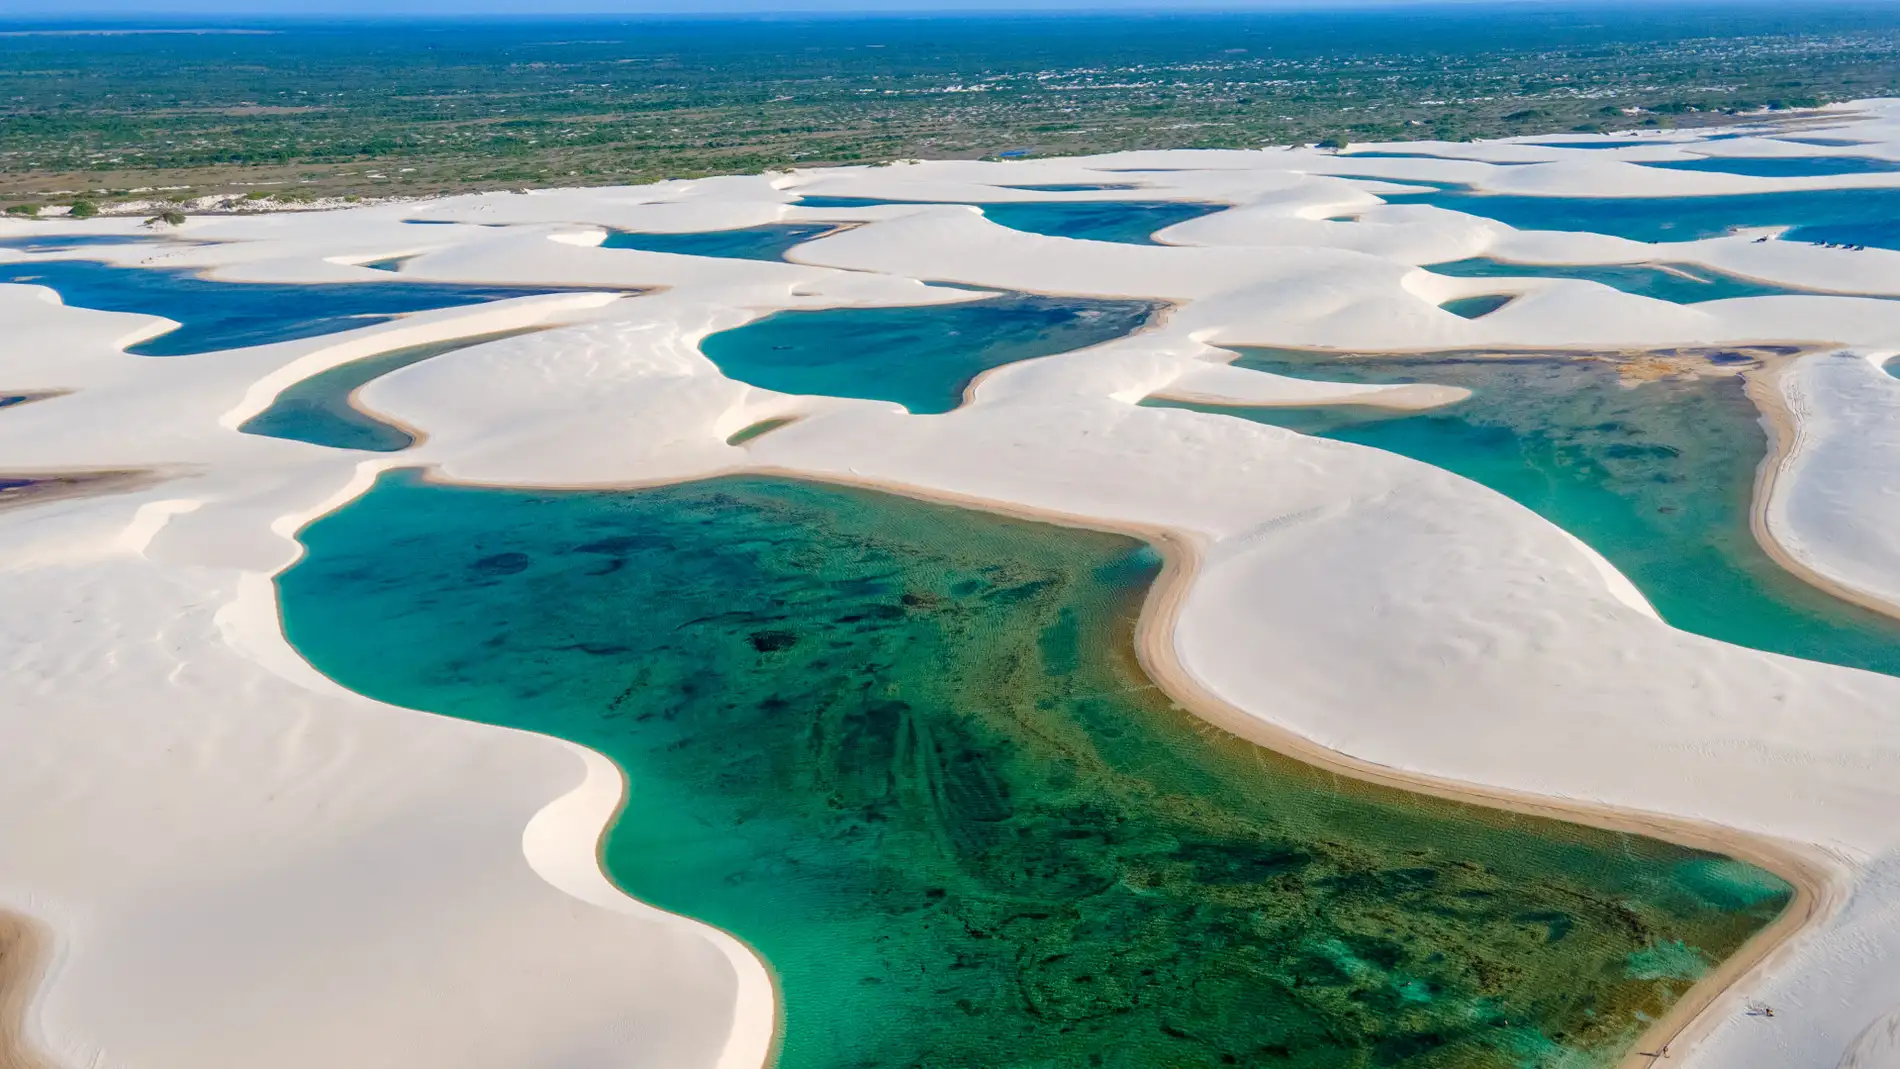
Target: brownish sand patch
{"points": [[21, 489], [25, 949]]}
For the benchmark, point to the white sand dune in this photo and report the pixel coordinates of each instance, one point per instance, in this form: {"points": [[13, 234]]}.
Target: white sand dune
{"points": [[237, 862]]}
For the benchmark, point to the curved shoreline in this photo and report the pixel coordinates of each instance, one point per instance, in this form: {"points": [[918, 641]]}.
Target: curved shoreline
{"points": [[1784, 432], [1818, 891], [1816, 879]]}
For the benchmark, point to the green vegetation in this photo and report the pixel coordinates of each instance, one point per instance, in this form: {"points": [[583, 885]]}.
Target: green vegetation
{"points": [[304, 109]]}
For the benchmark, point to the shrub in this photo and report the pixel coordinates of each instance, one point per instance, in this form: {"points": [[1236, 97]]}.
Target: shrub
{"points": [[83, 209]]}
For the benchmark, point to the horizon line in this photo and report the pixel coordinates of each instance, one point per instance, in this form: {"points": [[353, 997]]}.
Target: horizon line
{"points": [[227, 12]]}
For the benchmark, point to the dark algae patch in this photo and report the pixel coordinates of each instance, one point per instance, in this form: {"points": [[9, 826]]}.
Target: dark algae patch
{"points": [[1649, 458], [758, 430], [906, 752]]}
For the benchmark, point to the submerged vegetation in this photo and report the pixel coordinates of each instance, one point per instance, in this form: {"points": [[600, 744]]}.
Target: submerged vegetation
{"points": [[292, 111], [907, 753]]}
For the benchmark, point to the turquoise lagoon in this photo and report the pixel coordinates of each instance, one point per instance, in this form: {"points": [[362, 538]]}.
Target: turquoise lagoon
{"points": [[71, 242], [1677, 283], [922, 357], [1658, 476], [769, 242], [1127, 222], [1076, 187], [231, 315], [1833, 216], [1477, 307], [1782, 166], [907, 753], [318, 409]]}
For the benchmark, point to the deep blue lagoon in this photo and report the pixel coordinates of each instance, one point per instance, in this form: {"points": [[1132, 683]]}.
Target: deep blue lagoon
{"points": [[231, 315]]}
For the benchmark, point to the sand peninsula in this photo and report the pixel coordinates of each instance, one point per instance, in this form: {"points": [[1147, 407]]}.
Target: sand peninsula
{"points": [[277, 870]]}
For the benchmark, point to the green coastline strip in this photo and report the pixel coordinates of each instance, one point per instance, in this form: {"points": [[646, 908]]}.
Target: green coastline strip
{"points": [[907, 752]]}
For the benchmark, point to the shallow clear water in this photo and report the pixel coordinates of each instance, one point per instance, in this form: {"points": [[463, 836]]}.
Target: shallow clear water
{"points": [[1126, 222], [1850, 216], [769, 242], [231, 315], [1825, 142], [1783, 166], [1678, 283], [68, 242], [905, 751], [318, 410], [1377, 155], [1076, 187], [1608, 142], [1657, 477], [1477, 307], [921, 357]]}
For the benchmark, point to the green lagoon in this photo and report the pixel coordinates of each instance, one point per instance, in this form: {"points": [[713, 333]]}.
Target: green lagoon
{"points": [[318, 409], [907, 753], [1657, 474]]}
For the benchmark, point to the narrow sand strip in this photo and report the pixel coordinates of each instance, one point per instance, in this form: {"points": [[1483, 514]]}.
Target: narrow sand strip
{"points": [[1765, 390]]}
